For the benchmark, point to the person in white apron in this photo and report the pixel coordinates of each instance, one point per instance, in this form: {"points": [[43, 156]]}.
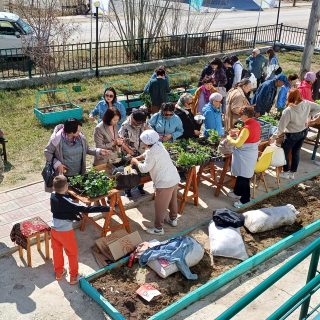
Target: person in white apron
{"points": [[245, 155]]}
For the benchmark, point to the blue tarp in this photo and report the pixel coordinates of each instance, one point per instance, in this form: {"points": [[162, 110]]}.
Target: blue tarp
{"points": [[228, 4]]}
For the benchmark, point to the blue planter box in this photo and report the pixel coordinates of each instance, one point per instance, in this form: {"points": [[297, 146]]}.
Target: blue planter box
{"points": [[54, 117], [209, 287], [48, 112]]}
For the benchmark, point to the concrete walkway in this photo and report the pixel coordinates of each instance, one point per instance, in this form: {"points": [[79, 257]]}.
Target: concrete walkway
{"points": [[33, 293]]}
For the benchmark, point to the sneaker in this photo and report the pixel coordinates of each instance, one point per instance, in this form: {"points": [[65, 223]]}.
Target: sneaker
{"points": [[73, 280], [291, 175], [238, 204], [232, 195], [173, 223], [59, 276], [155, 231], [284, 175]]}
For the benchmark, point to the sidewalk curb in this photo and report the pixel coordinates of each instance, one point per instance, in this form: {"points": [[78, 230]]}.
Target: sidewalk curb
{"points": [[20, 187], [130, 205]]}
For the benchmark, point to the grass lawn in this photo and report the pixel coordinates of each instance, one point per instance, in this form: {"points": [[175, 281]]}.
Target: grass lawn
{"points": [[27, 137]]}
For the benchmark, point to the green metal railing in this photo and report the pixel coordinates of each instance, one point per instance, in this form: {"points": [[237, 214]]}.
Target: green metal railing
{"points": [[301, 298]]}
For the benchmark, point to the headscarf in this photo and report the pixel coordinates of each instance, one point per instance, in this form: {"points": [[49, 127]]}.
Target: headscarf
{"points": [[310, 76], [206, 93], [149, 137]]}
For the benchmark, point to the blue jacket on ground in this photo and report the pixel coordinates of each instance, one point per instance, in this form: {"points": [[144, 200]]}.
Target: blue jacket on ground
{"points": [[264, 96], [175, 251], [213, 119], [164, 126], [282, 97], [102, 107]]}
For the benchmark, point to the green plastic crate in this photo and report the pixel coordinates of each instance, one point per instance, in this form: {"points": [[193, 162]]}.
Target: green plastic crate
{"points": [[56, 113]]}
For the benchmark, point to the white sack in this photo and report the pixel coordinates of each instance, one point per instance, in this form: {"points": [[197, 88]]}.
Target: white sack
{"points": [[226, 242], [269, 218], [192, 258], [253, 81], [278, 157]]}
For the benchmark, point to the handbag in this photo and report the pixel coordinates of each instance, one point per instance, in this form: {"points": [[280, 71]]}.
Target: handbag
{"points": [[48, 174], [225, 218]]}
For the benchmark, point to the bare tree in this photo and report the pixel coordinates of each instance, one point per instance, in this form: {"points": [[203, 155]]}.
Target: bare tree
{"points": [[137, 19], [199, 22], [49, 31]]}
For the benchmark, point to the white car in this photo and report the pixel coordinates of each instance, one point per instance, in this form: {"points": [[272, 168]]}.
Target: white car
{"points": [[14, 32]]}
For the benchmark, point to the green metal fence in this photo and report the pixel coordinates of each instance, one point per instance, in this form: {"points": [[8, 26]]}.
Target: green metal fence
{"points": [[300, 299]]}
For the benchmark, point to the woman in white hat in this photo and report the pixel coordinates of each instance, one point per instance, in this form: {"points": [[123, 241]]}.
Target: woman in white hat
{"points": [[165, 177]]}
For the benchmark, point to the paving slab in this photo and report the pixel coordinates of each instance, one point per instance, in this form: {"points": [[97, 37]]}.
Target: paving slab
{"points": [[33, 293]]}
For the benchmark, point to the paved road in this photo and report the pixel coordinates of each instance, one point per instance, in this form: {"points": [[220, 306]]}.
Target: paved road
{"points": [[226, 19]]}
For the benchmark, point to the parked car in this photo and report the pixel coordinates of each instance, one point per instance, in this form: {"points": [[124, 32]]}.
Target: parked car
{"points": [[14, 33]]}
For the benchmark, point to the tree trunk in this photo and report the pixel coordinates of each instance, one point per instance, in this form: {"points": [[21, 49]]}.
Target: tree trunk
{"points": [[311, 38]]}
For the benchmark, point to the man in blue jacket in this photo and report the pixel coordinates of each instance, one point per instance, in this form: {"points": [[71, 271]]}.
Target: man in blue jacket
{"points": [[266, 93], [212, 114]]}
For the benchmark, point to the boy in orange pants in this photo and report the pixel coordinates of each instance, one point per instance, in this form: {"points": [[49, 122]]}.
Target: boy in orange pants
{"points": [[65, 211]]}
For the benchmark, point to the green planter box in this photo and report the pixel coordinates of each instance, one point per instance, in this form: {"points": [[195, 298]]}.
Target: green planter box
{"points": [[52, 113]]}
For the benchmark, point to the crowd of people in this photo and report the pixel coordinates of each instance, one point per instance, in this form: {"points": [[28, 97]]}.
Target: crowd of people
{"points": [[229, 94]]}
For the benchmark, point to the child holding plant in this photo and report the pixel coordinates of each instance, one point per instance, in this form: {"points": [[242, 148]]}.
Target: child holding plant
{"points": [[64, 212]]}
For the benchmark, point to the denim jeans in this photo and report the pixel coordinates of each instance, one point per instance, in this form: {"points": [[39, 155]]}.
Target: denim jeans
{"points": [[294, 145]]}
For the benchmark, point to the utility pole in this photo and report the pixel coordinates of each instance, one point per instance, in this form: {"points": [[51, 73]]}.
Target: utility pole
{"points": [[311, 37]]}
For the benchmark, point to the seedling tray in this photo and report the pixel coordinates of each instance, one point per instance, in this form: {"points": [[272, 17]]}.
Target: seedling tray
{"points": [[49, 112]]}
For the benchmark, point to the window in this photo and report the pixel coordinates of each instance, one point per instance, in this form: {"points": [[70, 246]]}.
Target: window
{"points": [[7, 28]]}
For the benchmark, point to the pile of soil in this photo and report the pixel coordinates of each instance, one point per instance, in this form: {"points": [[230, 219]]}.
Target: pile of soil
{"points": [[119, 285]]}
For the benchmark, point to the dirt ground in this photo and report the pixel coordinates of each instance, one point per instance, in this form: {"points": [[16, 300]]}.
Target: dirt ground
{"points": [[119, 285]]}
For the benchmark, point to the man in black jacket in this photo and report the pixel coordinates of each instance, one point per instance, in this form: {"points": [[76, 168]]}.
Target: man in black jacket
{"points": [[64, 211]]}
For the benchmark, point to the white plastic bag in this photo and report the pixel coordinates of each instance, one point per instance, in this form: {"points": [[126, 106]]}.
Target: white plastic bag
{"points": [[269, 218], [253, 81], [165, 269], [226, 242], [278, 157]]}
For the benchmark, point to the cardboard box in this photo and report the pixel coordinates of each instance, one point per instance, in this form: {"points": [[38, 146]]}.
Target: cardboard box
{"points": [[118, 244]]}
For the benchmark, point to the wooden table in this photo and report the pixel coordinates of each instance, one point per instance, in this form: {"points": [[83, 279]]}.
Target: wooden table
{"points": [[189, 188], [114, 200], [212, 177]]}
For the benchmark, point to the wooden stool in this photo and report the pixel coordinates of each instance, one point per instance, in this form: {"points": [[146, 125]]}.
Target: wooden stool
{"points": [[34, 228], [3, 142]]}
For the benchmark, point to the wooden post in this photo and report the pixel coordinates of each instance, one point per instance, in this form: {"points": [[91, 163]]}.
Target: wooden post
{"points": [[311, 37]]}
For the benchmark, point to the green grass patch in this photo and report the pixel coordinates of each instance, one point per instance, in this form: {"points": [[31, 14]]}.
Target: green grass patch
{"points": [[28, 138]]}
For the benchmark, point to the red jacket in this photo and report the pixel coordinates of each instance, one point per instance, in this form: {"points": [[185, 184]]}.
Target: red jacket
{"points": [[305, 89]]}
